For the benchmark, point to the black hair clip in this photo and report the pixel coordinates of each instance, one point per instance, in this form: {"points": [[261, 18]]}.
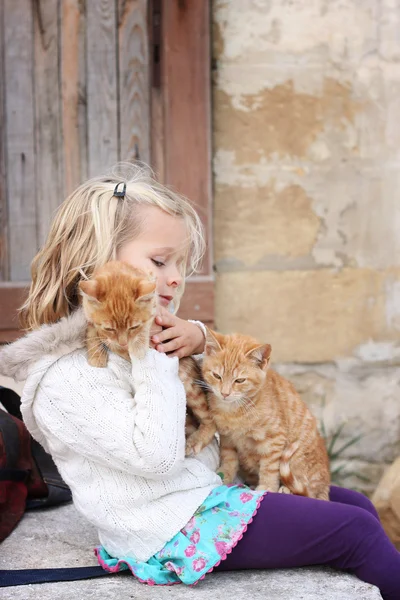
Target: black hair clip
{"points": [[120, 194]]}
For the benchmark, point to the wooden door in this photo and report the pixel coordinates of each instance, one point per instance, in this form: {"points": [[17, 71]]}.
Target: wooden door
{"points": [[85, 84]]}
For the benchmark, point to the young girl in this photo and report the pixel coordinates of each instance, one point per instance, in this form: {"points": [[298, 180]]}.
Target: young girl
{"points": [[117, 433]]}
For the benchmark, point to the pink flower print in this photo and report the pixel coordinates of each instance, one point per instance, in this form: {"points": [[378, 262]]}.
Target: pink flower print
{"points": [[245, 497], [234, 513], [221, 548], [171, 567], [190, 550], [195, 537], [191, 524], [198, 564]]}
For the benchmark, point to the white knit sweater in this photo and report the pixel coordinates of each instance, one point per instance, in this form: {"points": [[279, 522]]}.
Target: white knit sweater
{"points": [[116, 435]]}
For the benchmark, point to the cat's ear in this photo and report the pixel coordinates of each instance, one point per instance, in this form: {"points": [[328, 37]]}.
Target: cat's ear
{"points": [[213, 342], [260, 355], [89, 289], [145, 291]]}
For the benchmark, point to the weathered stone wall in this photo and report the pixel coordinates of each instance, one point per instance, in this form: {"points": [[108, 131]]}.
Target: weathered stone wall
{"points": [[307, 204]]}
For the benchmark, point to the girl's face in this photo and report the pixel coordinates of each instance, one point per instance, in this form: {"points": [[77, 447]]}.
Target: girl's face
{"points": [[159, 248]]}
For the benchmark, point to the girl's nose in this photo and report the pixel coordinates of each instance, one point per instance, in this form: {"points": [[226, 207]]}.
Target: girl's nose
{"points": [[174, 279]]}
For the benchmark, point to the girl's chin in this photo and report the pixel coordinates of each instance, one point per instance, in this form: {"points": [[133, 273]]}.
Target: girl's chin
{"points": [[164, 301]]}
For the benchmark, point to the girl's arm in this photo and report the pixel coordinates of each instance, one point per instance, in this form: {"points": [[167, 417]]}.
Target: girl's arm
{"points": [[97, 416]]}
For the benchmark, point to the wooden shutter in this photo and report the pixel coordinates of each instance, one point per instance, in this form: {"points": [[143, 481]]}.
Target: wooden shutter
{"points": [[83, 85]]}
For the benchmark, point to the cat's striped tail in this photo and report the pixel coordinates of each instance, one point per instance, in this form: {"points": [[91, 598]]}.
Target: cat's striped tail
{"points": [[287, 477]]}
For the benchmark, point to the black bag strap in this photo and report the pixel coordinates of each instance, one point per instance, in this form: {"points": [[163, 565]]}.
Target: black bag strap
{"points": [[11, 402], [9, 578]]}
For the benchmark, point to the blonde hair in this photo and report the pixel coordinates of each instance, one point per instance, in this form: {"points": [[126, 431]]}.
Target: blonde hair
{"points": [[89, 228]]}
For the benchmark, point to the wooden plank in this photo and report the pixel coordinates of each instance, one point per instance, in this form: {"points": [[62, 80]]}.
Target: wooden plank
{"points": [[157, 145], [134, 83], [185, 64], [4, 264], [48, 122], [102, 92], [74, 102], [20, 146], [10, 335], [11, 298]]}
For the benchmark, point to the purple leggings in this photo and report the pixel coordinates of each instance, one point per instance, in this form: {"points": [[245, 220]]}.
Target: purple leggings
{"points": [[293, 531]]}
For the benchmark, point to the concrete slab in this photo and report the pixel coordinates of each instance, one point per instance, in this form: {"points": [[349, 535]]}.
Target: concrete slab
{"points": [[60, 537]]}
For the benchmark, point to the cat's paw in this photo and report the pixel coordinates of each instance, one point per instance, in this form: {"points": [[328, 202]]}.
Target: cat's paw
{"points": [[99, 360], [227, 478], [266, 488], [193, 445], [137, 350], [284, 490]]}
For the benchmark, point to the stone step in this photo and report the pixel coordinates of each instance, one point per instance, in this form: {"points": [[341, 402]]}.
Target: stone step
{"points": [[60, 537]]}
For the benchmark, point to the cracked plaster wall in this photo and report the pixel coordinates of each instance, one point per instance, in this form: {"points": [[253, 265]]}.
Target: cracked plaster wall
{"points": [[307, 203]]}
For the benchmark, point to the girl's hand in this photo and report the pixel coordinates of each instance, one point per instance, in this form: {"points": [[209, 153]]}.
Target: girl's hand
{"points": [[155, 329], [179, 337]]}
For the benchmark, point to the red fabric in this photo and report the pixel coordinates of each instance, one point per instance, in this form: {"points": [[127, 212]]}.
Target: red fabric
{"points": [[15, 454]]}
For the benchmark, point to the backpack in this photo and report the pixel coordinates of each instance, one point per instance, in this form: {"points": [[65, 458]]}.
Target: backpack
{"points": [[29, 479], [28, 476]]}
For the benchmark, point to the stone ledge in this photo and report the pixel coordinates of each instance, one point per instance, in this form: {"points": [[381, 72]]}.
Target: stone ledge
{"points": [[59, 537]]}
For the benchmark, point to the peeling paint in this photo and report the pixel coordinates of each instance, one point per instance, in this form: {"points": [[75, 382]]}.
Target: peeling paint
{"points": [[281, 121], [257, 223], [393, 304], [338, 30], [377, 352]]}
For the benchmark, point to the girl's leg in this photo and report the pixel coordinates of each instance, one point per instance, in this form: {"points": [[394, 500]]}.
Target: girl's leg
{"points": [[293, 531], [345, 496]]}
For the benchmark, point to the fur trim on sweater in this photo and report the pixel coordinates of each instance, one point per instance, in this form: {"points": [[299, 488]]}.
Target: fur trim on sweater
{"points": [[57, 339]]}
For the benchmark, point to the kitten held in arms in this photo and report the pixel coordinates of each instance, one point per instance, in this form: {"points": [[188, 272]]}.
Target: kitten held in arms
{"points": [[266, 430], [120, 305]]}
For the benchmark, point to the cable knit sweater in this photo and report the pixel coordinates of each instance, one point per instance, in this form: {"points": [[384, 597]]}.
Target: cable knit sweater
{"points": [[116, 435]]}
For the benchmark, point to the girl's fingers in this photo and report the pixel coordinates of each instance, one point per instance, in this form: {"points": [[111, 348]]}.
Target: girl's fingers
{"points": [[165, 318], [170, 346], [179, 353], [165, 334]]}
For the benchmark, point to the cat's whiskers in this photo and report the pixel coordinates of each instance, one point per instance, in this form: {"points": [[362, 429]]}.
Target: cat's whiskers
{"points": [[202, 384]]}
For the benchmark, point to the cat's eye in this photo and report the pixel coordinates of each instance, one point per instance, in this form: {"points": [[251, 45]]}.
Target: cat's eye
{"points": [[240, 380], [133, 327], [217, 376], [108, 329]]}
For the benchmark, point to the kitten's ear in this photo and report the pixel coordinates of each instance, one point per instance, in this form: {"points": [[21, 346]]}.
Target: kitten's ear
{"points": [[213, 342], [89, 289], [261, 356], [145, 291]]}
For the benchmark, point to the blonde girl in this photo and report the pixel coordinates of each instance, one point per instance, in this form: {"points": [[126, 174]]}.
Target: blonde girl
{"points": [[117, 433]]}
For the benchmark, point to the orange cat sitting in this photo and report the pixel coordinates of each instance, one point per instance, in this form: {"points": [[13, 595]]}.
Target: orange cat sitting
{"points": [[266, 430], [120, 304]]}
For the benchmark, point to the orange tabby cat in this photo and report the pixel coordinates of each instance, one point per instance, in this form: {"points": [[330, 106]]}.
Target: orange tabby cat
{"points": [[120, 304], [265, 428]]}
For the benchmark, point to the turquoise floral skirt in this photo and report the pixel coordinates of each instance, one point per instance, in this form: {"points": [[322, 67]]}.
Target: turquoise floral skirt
{"points": [[212, 532]]}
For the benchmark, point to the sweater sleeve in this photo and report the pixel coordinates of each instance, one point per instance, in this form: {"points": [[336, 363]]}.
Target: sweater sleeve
{"points": [[101, 419]]}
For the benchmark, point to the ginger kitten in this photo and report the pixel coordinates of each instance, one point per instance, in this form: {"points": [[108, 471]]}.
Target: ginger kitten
{"points": [[266, 430], [120, 305]]}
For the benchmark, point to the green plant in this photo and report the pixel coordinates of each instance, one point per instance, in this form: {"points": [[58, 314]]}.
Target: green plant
{"points": [[339, 474]]}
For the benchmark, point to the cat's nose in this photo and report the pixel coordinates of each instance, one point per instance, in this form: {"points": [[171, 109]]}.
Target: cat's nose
{"points": [[225, 395]]}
